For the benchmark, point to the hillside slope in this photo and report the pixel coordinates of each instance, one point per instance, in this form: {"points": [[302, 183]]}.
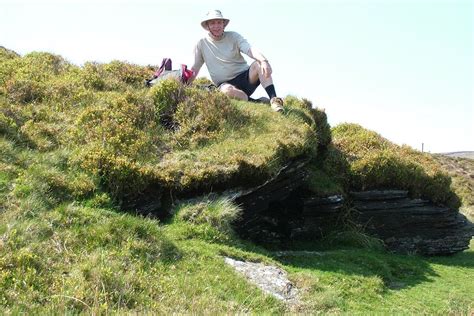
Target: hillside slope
{"points": [[87, 151]]}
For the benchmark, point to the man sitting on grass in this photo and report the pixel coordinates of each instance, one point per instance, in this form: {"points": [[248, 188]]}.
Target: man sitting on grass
{"points": [[222, 53]]}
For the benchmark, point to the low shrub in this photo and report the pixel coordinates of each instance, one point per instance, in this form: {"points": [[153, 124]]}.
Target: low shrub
{"points": [[6, 54], [116, 140], [24, 90], [203, 115], [129, 74], [166, 96], [93, 76]]}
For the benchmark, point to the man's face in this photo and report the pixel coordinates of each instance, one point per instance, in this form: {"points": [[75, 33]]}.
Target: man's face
{"points": [[216, 27]]}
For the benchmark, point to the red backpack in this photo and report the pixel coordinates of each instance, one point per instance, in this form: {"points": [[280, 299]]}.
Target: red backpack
{"points": [[165, 72]]}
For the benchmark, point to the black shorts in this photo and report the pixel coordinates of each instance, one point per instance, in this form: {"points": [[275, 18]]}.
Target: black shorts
{"points": [[242, 82]]}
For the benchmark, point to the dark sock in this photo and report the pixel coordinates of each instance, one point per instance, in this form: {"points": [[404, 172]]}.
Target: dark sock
{"points": [[271, 91]]}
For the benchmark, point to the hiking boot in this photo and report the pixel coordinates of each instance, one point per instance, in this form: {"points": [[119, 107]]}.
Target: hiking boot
{"points": [[276, 104]]}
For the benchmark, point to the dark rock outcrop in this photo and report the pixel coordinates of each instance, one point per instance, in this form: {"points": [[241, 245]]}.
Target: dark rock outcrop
{"points": [[280, 211], [270, 210], [411, 225], [320, 216]]}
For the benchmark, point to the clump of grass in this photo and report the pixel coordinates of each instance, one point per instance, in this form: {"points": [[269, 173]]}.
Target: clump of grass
{"points": [[208, 219], [376, 163], [316, 118], [328, 173]]}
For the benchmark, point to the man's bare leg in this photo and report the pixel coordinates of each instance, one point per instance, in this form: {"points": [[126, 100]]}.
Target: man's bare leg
{"points": [[255, 73], [233, 92]]}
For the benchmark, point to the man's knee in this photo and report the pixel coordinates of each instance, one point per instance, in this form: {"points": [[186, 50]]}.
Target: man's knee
{"points": [[226, 88], [254, 72], [254, 69], [232, 91]]}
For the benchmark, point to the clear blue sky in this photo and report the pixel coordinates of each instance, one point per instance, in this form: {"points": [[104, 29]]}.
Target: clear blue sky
{"points": [[403, 68]]}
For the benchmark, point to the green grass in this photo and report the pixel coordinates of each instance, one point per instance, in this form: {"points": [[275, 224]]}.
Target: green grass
{"points": [[76, 258], [77, 141], [369, 281]]}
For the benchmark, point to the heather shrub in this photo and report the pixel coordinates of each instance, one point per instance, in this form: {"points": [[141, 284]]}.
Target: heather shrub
{"points": [[37, 67], [65, 91], [24, 91], [203, 115], [28, 79], [166, 96], [93, 76], [6, 54], [42, 66], [116, 139], [202, 81], [129, 74], [12, 118], [116, 75], [8, 125]]}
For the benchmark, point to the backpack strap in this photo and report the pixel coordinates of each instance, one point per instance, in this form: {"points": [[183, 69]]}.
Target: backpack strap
{"points": [[165, 65]]}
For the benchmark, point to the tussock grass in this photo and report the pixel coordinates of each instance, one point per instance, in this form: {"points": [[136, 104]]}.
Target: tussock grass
{"points": [[209, 219]]}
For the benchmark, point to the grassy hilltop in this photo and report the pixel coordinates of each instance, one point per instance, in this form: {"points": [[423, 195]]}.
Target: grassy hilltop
{"points": [[85, 150]]}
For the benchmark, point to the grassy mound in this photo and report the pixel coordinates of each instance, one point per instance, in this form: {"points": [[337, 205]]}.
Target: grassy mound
{"points": [[376, 163], [129, 138]]}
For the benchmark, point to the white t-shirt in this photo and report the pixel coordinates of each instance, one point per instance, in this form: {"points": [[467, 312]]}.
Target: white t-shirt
{"points": [[223, 58]]}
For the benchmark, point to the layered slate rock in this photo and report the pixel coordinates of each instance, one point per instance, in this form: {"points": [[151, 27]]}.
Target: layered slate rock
{"points": [[320, 216], [279, 212], [411, 225], [271, 211]]}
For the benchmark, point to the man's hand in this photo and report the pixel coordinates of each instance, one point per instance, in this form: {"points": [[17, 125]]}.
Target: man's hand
{"points": [[266, 68]]}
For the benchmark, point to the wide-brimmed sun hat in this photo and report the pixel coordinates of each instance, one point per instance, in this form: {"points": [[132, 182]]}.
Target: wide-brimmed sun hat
{"points": [[212, 15]]}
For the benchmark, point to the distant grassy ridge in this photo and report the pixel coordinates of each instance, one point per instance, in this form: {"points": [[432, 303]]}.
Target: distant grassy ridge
{"points": [[459, 154], [461, 171], [76, 142]]}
